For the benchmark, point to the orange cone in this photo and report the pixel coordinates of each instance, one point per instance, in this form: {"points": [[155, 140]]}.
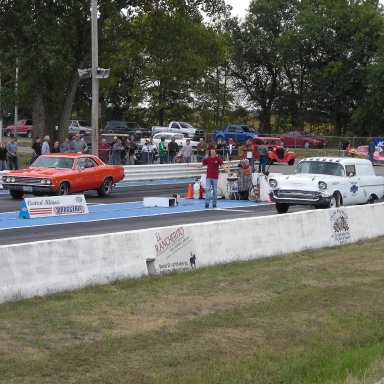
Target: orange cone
{"points": [[189, 193]]}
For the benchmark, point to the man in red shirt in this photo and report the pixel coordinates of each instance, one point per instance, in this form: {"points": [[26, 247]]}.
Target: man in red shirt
{"points": [[213, 163], [104, 151]]}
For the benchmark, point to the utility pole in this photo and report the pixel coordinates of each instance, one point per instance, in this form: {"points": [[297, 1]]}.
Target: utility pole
{"points": [[1, 118], [95, 80], [16, 92]]}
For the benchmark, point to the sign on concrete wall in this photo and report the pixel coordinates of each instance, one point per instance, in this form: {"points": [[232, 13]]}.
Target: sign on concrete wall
{"points": [[53, 206], [174, 250]]}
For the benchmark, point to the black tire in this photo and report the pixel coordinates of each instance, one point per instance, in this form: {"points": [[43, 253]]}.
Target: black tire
{"points": [[63, 189], [334, 202], [371, 199], [219, 139], [29, 134], [282, 207], [105, 189], [291, 162], [306, 144], [271, 161], [16, 194], [132, 136], [8, 133]]}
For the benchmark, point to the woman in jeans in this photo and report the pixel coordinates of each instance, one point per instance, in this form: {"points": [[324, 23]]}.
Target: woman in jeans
{"points": [[3, 157]]}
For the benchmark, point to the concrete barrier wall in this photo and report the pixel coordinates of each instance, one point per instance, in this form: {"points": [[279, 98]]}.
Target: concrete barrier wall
{"points": [[40, 268]]}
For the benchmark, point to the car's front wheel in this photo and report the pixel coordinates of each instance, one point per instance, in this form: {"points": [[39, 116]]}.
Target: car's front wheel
{"points": [[282, 207], [16, 194], [63, 189], [291, 162], [105, 189], [371, 199], [334, 202], [29, 134], [306, 144]]}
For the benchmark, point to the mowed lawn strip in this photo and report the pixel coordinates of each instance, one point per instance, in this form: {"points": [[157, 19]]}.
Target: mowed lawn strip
{"points": [[312, 317]]}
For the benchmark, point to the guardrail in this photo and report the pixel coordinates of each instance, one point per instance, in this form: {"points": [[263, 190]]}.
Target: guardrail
{"points": [[157, 172]]}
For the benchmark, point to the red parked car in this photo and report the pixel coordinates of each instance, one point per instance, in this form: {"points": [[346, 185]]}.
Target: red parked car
{"points": [[277, 153], [23, 127], [302, 139]]}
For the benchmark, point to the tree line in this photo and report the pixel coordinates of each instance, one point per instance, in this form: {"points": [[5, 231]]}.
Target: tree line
{"points": [[289, 64]]}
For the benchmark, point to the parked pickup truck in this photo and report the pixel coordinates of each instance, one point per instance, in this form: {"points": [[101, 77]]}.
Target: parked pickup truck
{"points": [[23, 127], [238, 133], [180, 127], [327, 182]]}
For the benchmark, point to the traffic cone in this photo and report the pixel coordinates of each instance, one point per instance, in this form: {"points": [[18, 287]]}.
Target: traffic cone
{"points": [[190, 192]]}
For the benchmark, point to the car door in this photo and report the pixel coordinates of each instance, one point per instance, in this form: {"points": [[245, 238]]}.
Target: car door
{"points": [[88, 175], [353, 193]]}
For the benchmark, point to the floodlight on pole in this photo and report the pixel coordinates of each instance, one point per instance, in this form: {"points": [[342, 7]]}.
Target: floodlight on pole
{"points": [[95, 80], [102, 73], [85, 73]]}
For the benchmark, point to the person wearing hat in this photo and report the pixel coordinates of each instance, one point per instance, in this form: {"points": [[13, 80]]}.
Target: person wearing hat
{"points": [[78, 144], [230, 149], [163, 153], [148, 151], [244, 179]]}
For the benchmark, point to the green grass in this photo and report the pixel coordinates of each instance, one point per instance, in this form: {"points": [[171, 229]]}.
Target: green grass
{"points": [[313, 317]]}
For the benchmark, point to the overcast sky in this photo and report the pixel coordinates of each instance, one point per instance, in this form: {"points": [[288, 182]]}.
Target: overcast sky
{"points": [[239, 7]]}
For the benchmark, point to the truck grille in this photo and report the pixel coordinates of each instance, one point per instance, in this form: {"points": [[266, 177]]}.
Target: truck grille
{"points": [[293, 194], [199, 133]]}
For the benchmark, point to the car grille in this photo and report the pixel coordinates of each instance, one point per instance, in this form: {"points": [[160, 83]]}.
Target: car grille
{"points": [[280, 153], [294, 194], [27, 180]]}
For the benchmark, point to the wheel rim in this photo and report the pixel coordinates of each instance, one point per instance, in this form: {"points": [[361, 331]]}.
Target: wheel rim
{"points": [[306, 145], [107, 186], [63, 189], [333, 202]]}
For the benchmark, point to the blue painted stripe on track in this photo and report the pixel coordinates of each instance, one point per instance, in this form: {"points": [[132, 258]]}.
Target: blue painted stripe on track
{"points": [[154, 182], [10, 220]]}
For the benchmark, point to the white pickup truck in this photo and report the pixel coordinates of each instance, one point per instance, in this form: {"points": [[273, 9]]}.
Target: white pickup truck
{"points": [[326, 183], [180, 127]]}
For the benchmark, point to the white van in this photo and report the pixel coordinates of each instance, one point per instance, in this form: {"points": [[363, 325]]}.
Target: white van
{"points": [[327, 182]]}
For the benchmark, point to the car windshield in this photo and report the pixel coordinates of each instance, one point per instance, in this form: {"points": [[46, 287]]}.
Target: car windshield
{"points": [[185, 125], [179, 136], [53, 162], [84, 123], [320, 168], [247, 129]]}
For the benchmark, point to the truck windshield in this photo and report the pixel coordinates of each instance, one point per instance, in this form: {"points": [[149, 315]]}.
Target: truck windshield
{"points": [[320, 168], [185, 125]]}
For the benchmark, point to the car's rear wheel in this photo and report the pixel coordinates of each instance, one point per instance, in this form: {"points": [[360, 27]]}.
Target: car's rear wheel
{"points": [[63, 189], [306, 144], [8, 133], [105, 189], [29, 134], [16, 194], [291, 162], [132, 136], [282, 207], [371, 199]]}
